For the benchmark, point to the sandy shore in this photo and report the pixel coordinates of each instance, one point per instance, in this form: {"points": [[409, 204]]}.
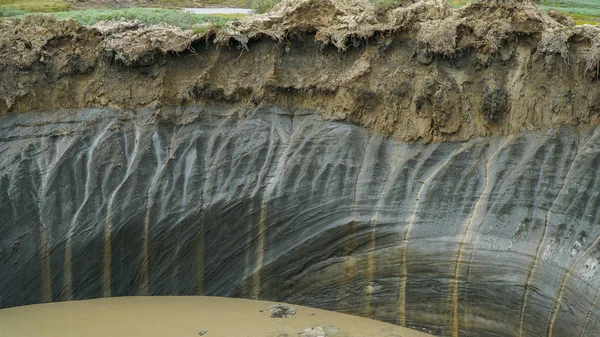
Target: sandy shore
{"points": [[182, 317]]}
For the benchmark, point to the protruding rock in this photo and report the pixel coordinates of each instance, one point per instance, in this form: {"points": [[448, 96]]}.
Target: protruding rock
{"points": [[313, 332], [281, 311]]}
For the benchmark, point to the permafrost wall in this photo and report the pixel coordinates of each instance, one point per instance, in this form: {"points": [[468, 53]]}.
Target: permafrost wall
{"points": [[492, 236], [199, 173]]}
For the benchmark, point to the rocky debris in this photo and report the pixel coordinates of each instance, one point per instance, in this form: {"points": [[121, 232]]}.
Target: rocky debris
{"points": [[281, 311], [313, 332], [322, 331], [495, 103]]}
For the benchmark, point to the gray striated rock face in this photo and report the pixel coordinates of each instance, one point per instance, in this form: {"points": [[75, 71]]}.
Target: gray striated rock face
{"points": [[492, 237]]}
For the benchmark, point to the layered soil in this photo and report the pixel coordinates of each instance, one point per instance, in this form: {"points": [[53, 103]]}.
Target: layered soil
{"points": [[248, 161], [420, 72]]}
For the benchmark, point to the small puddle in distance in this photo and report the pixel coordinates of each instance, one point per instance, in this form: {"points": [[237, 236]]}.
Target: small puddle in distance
{"points": [[215, 10]]}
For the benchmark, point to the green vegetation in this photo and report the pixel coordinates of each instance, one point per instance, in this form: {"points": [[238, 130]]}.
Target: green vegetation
{"points": [[146, 15], [583, 11], [458, 3], [263, 6], [44, 6], [231, 3], [585, 19], [10, 12], [387, 4], [230, 17]]}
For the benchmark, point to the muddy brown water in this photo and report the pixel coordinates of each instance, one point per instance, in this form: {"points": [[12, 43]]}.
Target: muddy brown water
{"points": [[181, 317]]}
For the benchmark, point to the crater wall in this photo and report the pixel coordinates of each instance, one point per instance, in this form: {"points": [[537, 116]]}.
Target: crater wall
{"points": [[426, 166], [490, 237]]}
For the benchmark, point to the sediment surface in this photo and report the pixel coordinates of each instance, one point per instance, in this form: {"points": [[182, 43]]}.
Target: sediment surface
{"points": [[351, 161], [185, 316]]}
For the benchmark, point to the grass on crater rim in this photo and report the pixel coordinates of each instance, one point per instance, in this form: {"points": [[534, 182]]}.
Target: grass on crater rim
{"points": [[147, 15], [583, 11], [44, 6]]}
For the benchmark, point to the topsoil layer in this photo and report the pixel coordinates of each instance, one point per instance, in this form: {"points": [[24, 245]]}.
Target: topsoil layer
{"points": [[423, 72]]}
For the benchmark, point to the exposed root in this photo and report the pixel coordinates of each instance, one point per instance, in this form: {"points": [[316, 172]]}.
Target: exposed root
{"points": [[555, 41], [333, 21], [591, 58], [483, 25]]}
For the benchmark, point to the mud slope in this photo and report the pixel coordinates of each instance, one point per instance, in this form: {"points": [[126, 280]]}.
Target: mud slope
{"points": [[428, 167]]}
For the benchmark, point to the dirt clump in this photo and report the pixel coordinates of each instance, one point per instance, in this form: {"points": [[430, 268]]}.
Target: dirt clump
{"points": [[113, 27], [139, 46], [281, 311], [59, 47], [495, 103], [555, 41], [439, 36], [313, 332], [332, 21], [591, 55], [22, 41], [562, 18]]}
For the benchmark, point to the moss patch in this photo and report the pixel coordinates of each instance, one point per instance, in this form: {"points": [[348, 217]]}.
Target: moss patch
{"points": [[146, 15], [10, 12], [388, 4], [44, 6], [585, 19], [583, 11], [231, 3]]}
